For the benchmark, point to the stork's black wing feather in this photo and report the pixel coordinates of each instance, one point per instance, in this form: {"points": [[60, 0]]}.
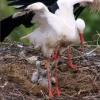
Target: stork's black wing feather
{"points": [[78, 10], [28, 2], [26, 18], [9, 23]]}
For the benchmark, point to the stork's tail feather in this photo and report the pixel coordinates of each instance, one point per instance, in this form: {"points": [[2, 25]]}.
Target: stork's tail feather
{"points": [[95, 6]]}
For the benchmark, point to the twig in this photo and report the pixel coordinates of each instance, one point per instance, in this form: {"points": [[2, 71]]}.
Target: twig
{"points": [[5, 84], [92, 51], [20, 94], [96, 96], [86, 54], [15, 94]]}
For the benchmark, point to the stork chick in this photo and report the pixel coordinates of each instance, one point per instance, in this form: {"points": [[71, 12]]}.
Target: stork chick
{"points": [[40, 76]]}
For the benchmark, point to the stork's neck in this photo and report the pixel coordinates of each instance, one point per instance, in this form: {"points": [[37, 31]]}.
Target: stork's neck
{"points": [[65, 9], [67, 13]]}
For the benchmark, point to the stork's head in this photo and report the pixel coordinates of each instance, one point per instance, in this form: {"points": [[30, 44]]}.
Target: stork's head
{"points": [[80, 24], [37, 7]]}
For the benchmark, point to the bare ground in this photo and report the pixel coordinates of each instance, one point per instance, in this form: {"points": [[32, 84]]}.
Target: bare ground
{"points": [[16, 72]]}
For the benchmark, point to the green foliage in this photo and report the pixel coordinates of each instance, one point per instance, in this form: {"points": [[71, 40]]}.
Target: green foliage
{"points": [[5, 10], [92, 20]]}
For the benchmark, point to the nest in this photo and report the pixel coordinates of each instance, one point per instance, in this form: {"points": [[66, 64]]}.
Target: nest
{"points": [[16, 73]]}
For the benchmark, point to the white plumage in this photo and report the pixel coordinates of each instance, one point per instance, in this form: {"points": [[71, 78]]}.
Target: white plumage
{"points": [[80, 24], [54, 29], [59, 29]]}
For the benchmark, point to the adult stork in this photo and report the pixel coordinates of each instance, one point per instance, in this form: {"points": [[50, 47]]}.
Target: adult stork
{"points": [[50, 34], [26, 17]]}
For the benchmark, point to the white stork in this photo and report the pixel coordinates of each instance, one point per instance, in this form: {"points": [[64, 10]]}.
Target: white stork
{"points": [[55, 30], [26, 17]]}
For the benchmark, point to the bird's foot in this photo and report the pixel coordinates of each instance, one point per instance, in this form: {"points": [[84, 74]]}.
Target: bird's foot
{"points": [[50, 93], [58, 91]]}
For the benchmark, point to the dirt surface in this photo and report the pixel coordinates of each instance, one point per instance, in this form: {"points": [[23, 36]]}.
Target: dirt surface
{"points": [[16, 72]]}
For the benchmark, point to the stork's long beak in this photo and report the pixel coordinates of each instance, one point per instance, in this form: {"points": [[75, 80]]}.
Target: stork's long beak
{"points": [[81, 38]]}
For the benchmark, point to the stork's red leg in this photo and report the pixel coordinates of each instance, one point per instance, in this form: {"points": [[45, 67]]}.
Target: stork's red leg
{"points": [[71, 65], [82, 41], [49, 79], [56, 78], [56, 58]]}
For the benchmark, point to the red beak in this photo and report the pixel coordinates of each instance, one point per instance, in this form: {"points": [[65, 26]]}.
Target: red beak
{"points": [[81, 38]]}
